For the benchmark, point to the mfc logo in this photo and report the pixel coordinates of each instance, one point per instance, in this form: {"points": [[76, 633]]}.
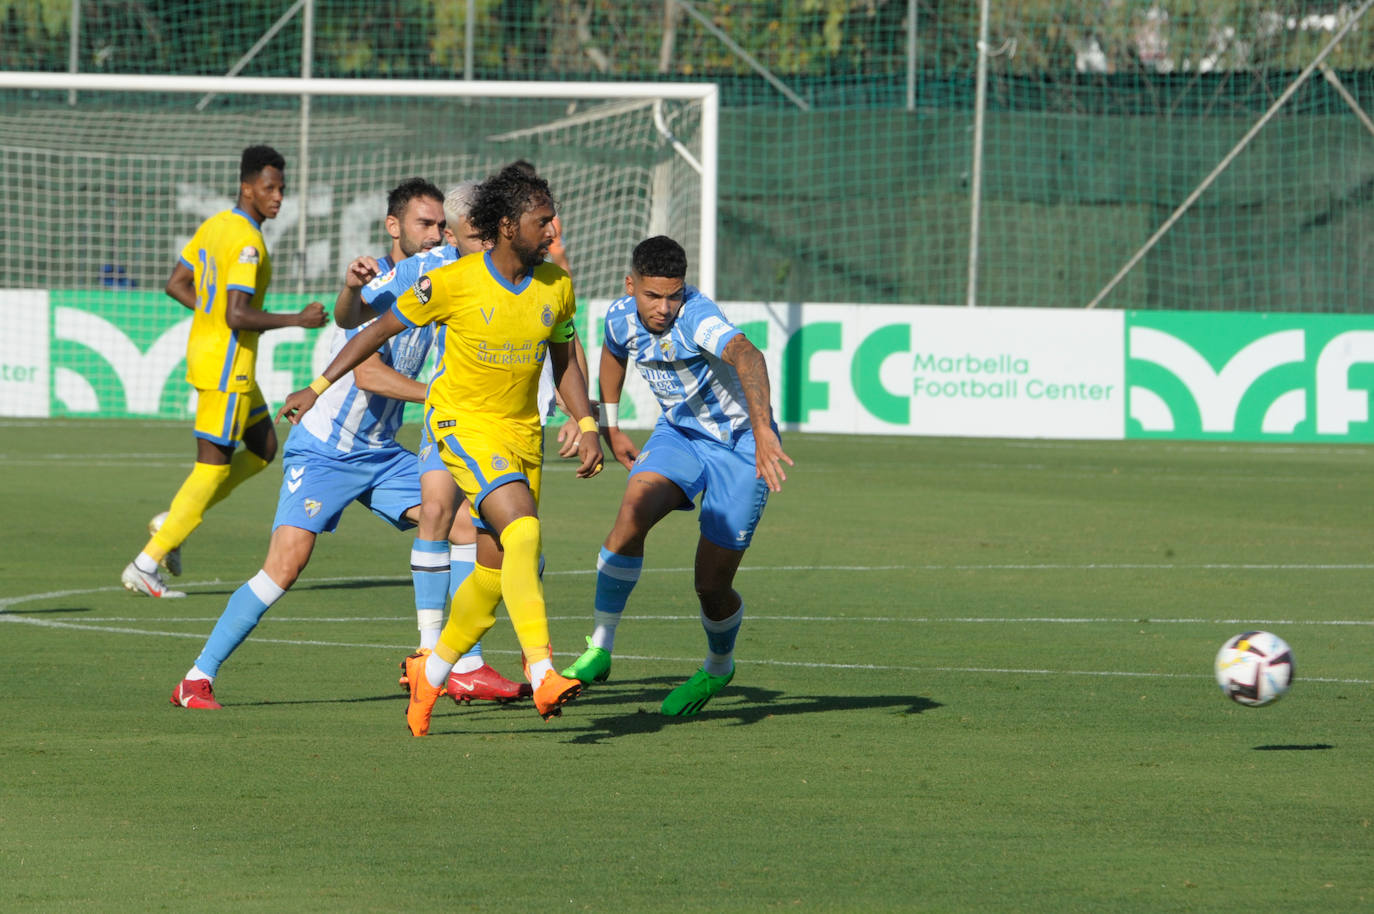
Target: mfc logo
{"points": [[1249, 377]]}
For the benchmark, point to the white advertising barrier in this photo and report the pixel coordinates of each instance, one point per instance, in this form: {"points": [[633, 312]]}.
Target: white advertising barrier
{"points": [[925, 370], [869, 369], [24, 353]]}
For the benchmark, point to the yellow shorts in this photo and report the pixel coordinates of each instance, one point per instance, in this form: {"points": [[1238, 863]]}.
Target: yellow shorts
{"points": [[222, 416], [480, 464]]}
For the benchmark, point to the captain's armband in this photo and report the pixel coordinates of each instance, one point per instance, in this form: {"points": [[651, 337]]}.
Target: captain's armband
{"points": [[563, 332]]}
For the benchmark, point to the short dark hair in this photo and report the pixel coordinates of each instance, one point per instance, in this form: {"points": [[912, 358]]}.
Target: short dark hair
{"points": [[508, 194], [660, 256], [408, 190], [256, 158]]}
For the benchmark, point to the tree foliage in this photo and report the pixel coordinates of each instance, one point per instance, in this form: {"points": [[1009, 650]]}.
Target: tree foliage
{"points": [[620, 39]]}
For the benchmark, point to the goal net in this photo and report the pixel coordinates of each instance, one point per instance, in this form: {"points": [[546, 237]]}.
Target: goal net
{"points": [[106, 177]]}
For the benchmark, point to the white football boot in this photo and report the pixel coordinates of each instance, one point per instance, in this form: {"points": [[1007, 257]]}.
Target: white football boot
{"points": [[136, 580]]}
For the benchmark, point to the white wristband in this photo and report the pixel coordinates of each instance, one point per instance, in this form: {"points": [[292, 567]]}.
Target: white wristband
{"points": [[610, 417]]}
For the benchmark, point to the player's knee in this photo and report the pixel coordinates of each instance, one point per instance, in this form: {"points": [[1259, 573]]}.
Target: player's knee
{"points": [[625, 541], [283, 572], [521, 535], [434, 521], [261, 439], [462, 529], [714, 587], [269, 451], [633, 523]]}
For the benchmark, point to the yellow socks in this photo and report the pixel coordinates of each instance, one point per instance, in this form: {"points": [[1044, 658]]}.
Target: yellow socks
{"points": [[245, 464], [471, 614], [196, 494], [522, 589]]}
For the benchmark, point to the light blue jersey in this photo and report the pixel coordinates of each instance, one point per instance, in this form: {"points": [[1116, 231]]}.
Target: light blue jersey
{"points": [[381, 293], [698, 391], [347, 419]]}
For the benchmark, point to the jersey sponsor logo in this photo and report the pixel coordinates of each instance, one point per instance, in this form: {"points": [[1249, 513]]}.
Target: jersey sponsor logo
{"points": [[487, 315], [709, 330], [249, 255], [382, 280], [312, 507], [499, 463], [546, 316], [423, 290]]}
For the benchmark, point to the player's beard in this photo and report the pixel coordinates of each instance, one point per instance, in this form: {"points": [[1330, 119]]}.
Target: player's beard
{"points": [[530, 257], [410, 247]]}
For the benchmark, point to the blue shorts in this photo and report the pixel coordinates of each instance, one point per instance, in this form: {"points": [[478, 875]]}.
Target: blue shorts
{"points": [[316, 487], [734, 495], [431, 457]]}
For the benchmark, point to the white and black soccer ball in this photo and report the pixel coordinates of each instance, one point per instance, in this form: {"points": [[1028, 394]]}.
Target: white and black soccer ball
{"points": [[1255, 668]]}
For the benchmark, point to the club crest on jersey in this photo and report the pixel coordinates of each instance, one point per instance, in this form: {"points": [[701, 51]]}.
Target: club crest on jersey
{"points": [[642, 455], [249, 255], [423, 290], [546, 316], [499, 463], [426, 451], [665, 346], [312, 507]]}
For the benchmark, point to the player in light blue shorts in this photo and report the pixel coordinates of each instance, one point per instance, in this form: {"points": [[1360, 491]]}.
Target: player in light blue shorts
{"points": [[716, 439], [345, 451]]}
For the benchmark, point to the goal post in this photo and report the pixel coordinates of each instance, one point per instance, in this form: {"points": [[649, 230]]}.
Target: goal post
{"points": [[107, 175]]}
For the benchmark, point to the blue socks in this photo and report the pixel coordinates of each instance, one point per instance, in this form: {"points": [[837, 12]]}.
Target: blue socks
{"points": [[616, 576], [720, 642], [240, 617], [429, 571]]}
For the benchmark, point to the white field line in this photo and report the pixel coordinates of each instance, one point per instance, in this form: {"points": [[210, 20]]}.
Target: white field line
{"points": [[874, 667], [102, 625]]}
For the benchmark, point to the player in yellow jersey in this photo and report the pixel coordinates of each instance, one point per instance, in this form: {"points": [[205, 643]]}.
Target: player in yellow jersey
{"points": [[504, 311], [221, 278]]}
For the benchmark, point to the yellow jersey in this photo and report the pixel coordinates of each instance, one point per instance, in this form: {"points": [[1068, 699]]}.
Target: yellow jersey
{"points": [[226, 252], [493, 347]]}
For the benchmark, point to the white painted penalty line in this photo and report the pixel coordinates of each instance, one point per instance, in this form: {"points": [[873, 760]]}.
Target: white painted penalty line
{"points": [[797, 664]]}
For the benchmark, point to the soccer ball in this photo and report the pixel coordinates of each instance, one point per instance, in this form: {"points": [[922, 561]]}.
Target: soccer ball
{"points": [[1255, 668]]}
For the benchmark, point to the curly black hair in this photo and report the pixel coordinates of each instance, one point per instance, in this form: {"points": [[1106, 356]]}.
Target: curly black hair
{"points": [[508, 194], [660, 256], [256, 158]]}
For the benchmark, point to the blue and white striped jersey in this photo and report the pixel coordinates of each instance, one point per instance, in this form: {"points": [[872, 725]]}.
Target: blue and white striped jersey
{"points": [[347, 419], [381, 293], [697, 390]]}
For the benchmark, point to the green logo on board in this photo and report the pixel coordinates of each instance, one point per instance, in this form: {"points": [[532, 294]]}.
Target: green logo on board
{"points": [[1249, 377]]}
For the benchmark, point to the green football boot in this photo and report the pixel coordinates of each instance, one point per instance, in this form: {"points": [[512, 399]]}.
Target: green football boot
{"points": [[593, 666], [690, 697]]}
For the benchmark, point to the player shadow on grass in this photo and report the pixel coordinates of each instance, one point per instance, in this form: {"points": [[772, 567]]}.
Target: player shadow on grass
{"points": [[738, 704], [224, 588]]}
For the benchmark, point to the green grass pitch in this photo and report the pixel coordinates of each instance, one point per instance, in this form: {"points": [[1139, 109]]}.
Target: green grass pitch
{"points": [[974, 675]]}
